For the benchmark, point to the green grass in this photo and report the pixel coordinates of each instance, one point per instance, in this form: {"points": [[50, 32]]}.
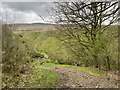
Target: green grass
{"points": [[88, 70], [41, 77], [44, 43]]}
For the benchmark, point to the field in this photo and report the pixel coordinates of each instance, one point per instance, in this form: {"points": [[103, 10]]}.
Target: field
{"points": [[58, 66]]}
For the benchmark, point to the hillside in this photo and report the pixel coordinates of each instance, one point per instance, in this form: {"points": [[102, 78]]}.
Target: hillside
{"points": [[42, 60], [35, 27]]}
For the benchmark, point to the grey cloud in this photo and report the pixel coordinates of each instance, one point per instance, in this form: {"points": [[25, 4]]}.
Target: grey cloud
{"points": [[29, 6], [41, 8], [25, 9], [40, 1]]}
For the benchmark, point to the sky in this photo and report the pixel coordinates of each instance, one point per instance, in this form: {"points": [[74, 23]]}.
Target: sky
{"points": [[28, 12]]}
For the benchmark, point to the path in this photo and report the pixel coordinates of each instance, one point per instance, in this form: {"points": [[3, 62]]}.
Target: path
{"points": [[71, 78]]}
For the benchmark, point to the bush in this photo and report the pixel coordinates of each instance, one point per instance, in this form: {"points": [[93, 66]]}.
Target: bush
{"points": [[15, 58]]}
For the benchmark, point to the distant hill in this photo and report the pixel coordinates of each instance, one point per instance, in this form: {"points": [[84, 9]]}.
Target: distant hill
{"points": [[35, 27], [44, 23], [41, 27]]}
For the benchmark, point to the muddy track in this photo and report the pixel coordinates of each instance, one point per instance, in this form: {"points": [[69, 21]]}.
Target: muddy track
{"points": [[71, 78]]}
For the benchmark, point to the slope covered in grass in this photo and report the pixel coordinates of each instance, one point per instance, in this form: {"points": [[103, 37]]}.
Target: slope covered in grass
{"points": [[60, 55], [40, 77]]}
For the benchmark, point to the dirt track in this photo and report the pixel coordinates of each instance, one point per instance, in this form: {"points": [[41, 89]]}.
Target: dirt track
{"points": [[71, 78]]}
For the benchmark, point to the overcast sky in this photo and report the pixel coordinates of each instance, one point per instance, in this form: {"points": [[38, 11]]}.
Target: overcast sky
{"points": [[28, 12]]}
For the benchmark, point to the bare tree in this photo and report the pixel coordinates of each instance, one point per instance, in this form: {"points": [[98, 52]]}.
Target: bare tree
{"points": [[85, 22]]}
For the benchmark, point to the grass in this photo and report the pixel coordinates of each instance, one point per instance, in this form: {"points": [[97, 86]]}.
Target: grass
{"points": [[44, 43], [88, 70], [41, 77]]}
